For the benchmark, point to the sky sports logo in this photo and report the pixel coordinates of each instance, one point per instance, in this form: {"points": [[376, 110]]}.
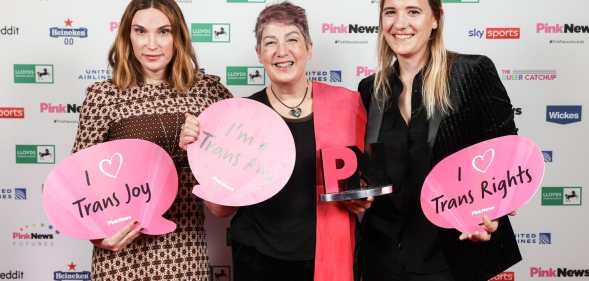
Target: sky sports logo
{"points": [[538, 271], [211, 32], [245, 76], [504, 276], [562, 196], [563, 114], [493, 33], [561, 28], [12, 113]]}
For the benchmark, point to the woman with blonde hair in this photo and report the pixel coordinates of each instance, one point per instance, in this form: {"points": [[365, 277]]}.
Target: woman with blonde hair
{"points": [[426, 103], [155, 83]]}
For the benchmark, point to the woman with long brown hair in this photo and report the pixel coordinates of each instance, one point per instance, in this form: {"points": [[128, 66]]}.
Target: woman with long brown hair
{"points": [[155, 83], [426, 103]]}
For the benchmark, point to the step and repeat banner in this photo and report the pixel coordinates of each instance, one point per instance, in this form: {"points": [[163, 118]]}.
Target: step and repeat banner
{"points": [[540, 49]]}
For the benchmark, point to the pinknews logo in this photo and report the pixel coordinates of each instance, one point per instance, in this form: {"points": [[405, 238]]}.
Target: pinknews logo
{"points": [[561, 28], [114, 25], [46, 107], [348, 28], [559, 272], [364, 71]]}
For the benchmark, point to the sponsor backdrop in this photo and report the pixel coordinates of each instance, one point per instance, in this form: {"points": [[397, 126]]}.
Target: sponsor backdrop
{"points": [[53, 49]]}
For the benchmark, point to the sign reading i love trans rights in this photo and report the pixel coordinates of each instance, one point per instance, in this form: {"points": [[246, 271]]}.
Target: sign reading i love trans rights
{"points": [[244, 154], [95, 192], [492, 178]]}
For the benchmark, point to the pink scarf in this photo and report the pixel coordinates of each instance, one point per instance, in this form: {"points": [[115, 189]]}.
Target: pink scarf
{"points": [[339, 120]]}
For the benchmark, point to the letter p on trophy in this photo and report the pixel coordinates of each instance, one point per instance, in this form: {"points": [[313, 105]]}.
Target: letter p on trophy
{"points": [[349, 174]]}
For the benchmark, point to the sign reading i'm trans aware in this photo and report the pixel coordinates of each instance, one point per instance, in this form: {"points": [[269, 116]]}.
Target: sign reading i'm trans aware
{"points": [[95, 192], [492, 178], [244, 154]]}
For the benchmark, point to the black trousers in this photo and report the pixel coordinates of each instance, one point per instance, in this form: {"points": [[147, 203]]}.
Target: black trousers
{"points": [[251, 265], [379, 260]]}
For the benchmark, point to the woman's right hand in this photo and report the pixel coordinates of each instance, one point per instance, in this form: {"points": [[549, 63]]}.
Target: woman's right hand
{"points": [[121, 239], [190, 131]]}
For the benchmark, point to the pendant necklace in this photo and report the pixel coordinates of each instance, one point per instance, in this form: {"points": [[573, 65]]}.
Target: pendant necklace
{"points": [[296, 110]]}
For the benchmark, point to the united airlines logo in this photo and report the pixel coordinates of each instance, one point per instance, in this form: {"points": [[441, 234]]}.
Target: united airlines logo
{"points": [[330, 76]]}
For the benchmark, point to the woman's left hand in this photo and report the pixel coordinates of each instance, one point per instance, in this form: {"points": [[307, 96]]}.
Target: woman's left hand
{"points": [[489, 226], [358, 206]]}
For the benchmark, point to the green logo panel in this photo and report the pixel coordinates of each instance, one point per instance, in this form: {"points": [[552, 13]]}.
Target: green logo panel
{"points": [[33, 73], [245, 75]]}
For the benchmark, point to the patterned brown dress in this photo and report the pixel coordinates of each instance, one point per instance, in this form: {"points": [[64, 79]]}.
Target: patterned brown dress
{"points": [[154, 113]]}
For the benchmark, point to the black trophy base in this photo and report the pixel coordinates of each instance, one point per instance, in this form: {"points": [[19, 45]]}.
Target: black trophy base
{"points": [[356, 193]]}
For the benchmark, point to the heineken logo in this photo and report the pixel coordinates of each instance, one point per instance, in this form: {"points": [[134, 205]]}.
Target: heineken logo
{"points": [[211, 32], [33, 73], [246, 75]]}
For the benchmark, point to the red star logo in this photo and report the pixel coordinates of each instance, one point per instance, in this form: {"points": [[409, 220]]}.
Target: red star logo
{"points": [[71, 266], [68, 22]]}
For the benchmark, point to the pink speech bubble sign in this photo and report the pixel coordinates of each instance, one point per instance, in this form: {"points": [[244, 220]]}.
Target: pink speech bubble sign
{"points": [[492, 178], [244, 155], [95, 192]]}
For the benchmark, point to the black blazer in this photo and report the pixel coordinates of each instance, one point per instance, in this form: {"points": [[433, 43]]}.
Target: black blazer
{"points": [[482, 110]]}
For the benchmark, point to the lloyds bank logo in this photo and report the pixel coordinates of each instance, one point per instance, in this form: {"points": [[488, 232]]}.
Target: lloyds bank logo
{"points": [[562, 196], [246, 75], [33, 73], [35, 154], [211, 32]]}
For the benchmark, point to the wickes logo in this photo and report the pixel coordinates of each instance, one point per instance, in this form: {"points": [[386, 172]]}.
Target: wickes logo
{"points": [[348, 28], [558, 272], [563, 114], [561, 28]]}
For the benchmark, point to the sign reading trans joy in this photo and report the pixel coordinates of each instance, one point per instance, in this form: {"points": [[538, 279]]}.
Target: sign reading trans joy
{"points": [[95, 192], [491, 178]]}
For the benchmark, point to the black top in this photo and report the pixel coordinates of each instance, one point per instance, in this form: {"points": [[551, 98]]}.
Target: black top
{"points": [[283, 226], [410, 158], [481, 111]]}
